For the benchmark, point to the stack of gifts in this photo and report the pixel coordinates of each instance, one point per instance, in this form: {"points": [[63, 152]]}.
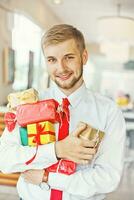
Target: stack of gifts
{"points": [[36, 122]]}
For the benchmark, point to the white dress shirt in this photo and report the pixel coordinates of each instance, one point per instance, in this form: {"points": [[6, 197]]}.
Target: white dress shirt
{"points": [[90, 182]]}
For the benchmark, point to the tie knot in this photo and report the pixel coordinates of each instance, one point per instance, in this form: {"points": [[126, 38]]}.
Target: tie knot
{"points": [[65, 102]]}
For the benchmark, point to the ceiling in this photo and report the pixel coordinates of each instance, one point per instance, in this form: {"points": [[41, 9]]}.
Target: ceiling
{"points": [[84, 13]]}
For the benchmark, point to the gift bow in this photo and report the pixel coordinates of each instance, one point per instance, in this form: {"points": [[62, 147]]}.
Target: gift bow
{"points": [[40, 131], [10, 121]]}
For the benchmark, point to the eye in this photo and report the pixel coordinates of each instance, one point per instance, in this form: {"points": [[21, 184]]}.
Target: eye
{"points": [[51, 60], [69, 57]]}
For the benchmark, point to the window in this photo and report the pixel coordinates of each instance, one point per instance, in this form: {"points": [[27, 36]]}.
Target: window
{"points": [[26, 37]]}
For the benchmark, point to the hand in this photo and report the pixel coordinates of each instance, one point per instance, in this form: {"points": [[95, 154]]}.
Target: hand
{"points": [[76, 149], [33, 176]]}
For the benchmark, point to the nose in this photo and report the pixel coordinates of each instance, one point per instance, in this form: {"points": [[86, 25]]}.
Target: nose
{"points": [[61, 65]]}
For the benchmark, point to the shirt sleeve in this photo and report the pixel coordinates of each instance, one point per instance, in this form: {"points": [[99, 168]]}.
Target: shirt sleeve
{"points": [[13, 155], [104, 174]]}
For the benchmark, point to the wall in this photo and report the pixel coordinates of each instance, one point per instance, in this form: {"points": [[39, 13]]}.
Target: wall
{"points": [[35, 10], [5, 40]]}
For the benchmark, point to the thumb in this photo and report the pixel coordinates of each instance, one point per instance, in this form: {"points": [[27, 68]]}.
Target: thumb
{"points": [[81, 127]]}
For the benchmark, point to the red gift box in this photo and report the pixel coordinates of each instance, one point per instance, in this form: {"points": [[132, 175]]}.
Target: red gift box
{"points": [[63, 166], [45, 110]]}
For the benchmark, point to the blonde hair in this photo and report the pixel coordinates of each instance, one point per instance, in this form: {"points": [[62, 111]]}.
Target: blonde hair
{"points": [[62, 32]]}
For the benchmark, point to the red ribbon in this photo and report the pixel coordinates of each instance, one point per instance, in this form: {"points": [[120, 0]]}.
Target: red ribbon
{"points": [[36, 139]]}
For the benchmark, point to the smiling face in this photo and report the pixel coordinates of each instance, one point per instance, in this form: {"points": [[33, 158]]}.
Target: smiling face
{"points": [[65, 64]]}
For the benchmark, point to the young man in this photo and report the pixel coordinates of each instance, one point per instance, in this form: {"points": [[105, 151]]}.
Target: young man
{"points": [[97, 172]]}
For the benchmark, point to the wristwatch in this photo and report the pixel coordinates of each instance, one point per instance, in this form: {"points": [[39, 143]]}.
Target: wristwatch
{"points": [[44, 184]]}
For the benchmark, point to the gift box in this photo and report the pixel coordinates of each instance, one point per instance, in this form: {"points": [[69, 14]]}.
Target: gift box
{"points": [[23, 97], [40, 133], [40, 111], [63, 166], [23, 136], [91, 133]]}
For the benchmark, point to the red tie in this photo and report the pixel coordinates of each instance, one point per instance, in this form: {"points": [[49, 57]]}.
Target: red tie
{"points": [[63, 132]]}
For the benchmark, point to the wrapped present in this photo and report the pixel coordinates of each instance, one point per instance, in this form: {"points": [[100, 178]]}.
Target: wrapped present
{"points": [[63, 166], [23, 136], [23, 97], [10, 121], [40, 133], [92, 134], [45, 110]]}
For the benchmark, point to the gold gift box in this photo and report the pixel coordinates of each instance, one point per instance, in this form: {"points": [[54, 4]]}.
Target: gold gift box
{"points": [[92, 134]]}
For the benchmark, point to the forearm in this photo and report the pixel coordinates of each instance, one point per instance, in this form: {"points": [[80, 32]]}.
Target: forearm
{"points": [[88, 182], [13, 156]]}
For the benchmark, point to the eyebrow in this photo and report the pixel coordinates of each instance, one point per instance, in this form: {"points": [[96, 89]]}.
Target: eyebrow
{"points": [[68, 54], [48, 57]]}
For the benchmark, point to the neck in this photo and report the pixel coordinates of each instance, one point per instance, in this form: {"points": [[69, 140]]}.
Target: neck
{"points": [[68, 92]]}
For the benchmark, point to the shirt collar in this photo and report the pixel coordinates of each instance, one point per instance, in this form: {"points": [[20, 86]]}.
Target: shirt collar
{"points": [[74, 98]]}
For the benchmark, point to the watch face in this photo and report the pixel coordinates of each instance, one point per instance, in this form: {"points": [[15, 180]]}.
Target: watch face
{"points": [[44, 185]]}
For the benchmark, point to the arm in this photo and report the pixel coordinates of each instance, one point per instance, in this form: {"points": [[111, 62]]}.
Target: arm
{"points": [[73, 148], [106, 169], [13, 155]]}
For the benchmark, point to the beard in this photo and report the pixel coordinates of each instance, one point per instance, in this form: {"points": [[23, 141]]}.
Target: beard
{"points": [[71, 83]]}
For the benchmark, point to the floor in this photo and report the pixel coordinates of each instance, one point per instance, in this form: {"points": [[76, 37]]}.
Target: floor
{"points": [[8, 193], [124, 192]]}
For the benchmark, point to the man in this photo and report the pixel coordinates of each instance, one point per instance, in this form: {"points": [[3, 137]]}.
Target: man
{"points": [[97, 172]]}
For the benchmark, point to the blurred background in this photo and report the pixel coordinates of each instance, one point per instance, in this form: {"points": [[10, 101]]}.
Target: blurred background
{"points": [[108, 27]]}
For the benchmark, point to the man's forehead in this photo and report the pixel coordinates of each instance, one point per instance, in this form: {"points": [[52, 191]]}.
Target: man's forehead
{"points": [[66, 47]]}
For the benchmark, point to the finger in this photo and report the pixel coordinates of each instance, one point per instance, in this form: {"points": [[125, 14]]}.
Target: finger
{"points": [[84, 156], [88, 151], [83, 150], [28, 181], [81, 124], [88, 143], [82, 161], [79, 157], [79, 161], [26, 172], [79, 129]]}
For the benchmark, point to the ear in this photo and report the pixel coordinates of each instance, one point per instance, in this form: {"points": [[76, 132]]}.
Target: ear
{"points": [[85, 56]]}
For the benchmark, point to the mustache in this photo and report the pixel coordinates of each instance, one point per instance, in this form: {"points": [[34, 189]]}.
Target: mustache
{"points": [[63, 73]]}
